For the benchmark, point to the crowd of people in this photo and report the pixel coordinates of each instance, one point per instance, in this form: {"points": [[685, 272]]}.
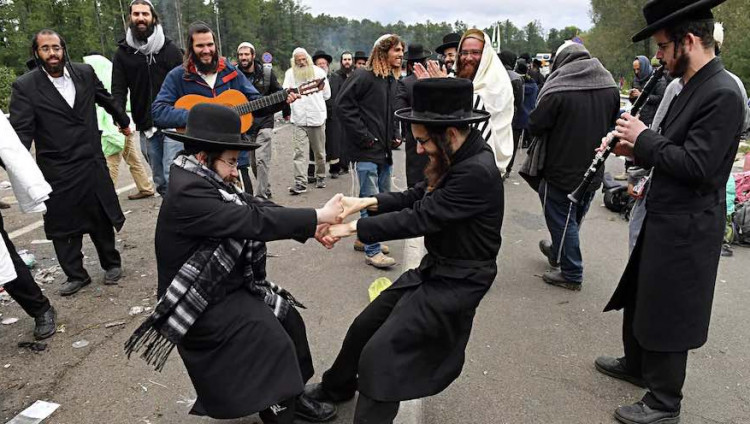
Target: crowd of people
{"points": [[463, 119]]}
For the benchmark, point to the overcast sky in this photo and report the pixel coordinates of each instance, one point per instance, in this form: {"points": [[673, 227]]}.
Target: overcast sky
{"points": [[481, 13]]}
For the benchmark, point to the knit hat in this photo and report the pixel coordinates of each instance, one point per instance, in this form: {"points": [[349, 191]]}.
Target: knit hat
{"points": [[245, 44]]}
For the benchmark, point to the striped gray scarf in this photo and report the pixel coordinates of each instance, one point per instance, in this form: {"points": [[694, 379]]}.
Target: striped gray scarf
{"points": [[194, 287]]}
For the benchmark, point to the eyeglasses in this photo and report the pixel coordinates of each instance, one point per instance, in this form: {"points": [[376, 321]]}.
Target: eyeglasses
{"points": [[422, 141], [465, 53], [232, 165], [47, 49]]}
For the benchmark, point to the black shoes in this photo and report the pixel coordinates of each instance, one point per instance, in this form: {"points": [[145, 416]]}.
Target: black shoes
{"points": [[556, 278], [640, 413], [316, 391], [112, 276], [71, 287], [297, 189], [313, 410], [615, 367], [44, 325], [546, 248]]}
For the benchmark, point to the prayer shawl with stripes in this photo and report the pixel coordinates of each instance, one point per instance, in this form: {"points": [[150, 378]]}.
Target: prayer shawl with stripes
{"points": [[194, 287]]}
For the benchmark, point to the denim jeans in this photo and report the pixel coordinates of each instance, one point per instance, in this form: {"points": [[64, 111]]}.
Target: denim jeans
{"points": [[373, 179], [161, 153], [559, 211]]}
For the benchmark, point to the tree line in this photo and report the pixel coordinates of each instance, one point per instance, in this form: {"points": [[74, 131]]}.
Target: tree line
{"points": [[279, 26]]}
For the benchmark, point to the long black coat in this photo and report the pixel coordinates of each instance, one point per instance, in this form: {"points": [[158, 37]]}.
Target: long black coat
{"points": [[68, 148], [415, 163], [334, 132], [671, 274], [239, 357], [419, 349]]}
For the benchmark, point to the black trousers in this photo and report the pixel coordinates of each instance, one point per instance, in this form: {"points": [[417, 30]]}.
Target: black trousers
{"points": [[341, 379], [24, 290], [70, 255], [516, 139], [369, 411], [663, 372]]}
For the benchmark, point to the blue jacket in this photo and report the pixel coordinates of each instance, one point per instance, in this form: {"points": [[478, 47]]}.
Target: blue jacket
{"points": [[180, 82], [530, 93]]}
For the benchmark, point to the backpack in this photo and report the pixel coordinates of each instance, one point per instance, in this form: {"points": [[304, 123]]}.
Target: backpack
{"points": [[616, 197], [741, 221]]}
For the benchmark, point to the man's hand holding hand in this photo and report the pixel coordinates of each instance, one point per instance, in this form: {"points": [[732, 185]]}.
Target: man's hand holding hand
{"points": [[340, 231], [323, 237], [331, 212], [353, 205]]}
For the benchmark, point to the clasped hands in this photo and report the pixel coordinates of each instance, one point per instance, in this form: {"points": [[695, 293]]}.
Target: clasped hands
{"points": [[331, 227], [433, 70]]}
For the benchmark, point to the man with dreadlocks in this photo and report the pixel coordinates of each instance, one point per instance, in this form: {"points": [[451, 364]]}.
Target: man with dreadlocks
{"points": [[240, 337], [409, 342], [54, 106], [365, 107]]}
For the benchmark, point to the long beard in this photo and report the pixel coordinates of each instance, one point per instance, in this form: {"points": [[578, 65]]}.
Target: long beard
{"points": [[206, 68], [303, 74], [467, 68], [54, 69], [681, 65], [142, 36]]}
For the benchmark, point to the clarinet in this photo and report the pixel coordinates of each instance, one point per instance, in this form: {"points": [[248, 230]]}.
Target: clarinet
{"points": [[602, 156]]}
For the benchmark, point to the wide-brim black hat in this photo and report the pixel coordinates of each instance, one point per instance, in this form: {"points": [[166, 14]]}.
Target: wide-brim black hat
{"points": [[442, 101], [213, 127], [450, 40], [416, 52], [320, 53], [660, 14], [359, 54]]}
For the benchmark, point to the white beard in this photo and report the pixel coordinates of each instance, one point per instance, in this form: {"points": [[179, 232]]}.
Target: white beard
{"points": [[303, 74]]}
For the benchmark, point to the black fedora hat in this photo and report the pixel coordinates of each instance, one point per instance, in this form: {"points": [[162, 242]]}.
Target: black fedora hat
{"points": [[449, 40], [660, 14], [443, 101], [320, 53], [416, 52], [213, 127], [359, 54]]}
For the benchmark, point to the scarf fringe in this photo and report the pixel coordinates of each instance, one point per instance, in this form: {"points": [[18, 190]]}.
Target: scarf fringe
{"points": [[158, 347]]}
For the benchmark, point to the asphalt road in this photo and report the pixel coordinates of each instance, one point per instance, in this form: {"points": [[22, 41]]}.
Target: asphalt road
{"points": [[529, 359]]}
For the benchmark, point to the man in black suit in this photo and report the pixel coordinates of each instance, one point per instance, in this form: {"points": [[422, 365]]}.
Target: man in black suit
{"points": [[54, 106], [667, 288]]}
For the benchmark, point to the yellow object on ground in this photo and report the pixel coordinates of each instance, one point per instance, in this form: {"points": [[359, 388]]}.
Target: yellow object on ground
{"points": [[378, 286]]}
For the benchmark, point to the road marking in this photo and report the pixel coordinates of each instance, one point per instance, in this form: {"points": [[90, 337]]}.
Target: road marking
{"points": [[38, 224], [410, 412]]}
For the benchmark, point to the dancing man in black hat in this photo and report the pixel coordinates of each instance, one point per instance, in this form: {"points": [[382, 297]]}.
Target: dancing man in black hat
{"points": [[239, 335], [409, 342], [448, 50], [667, 288]]}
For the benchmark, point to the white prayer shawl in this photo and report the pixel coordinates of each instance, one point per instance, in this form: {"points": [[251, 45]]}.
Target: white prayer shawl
{"points": [[29, 185], [493, 93]]}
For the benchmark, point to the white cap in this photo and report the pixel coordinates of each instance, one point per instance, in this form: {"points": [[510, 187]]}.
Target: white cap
{"points": [[381, 39], [245, 44], [719, 33]]}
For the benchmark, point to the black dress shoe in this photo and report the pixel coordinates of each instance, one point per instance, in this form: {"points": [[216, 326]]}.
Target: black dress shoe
{"points": [[556, 278], [44, 325], [546, 248], [640, 413], [316, 391], [313, 410], [112, 276], [615, 367], [72, 286]]}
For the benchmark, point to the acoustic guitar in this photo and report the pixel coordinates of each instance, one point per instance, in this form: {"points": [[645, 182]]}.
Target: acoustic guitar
{"points": [[237, 101]]}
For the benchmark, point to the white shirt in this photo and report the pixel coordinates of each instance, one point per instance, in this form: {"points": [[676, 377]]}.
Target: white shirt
{"points": [[210, 79], [310, 110], [64, 85]]}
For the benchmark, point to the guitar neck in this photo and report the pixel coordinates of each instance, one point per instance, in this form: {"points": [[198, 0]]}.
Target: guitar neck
{"points": [[263, 102]]}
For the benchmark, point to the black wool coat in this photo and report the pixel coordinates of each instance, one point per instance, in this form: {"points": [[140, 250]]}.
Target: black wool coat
{"points": [[419, 349], [415, 163], [143, 77], [68, 148], [239, 357], [334, 132], [671, 274], [365, 108]]}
